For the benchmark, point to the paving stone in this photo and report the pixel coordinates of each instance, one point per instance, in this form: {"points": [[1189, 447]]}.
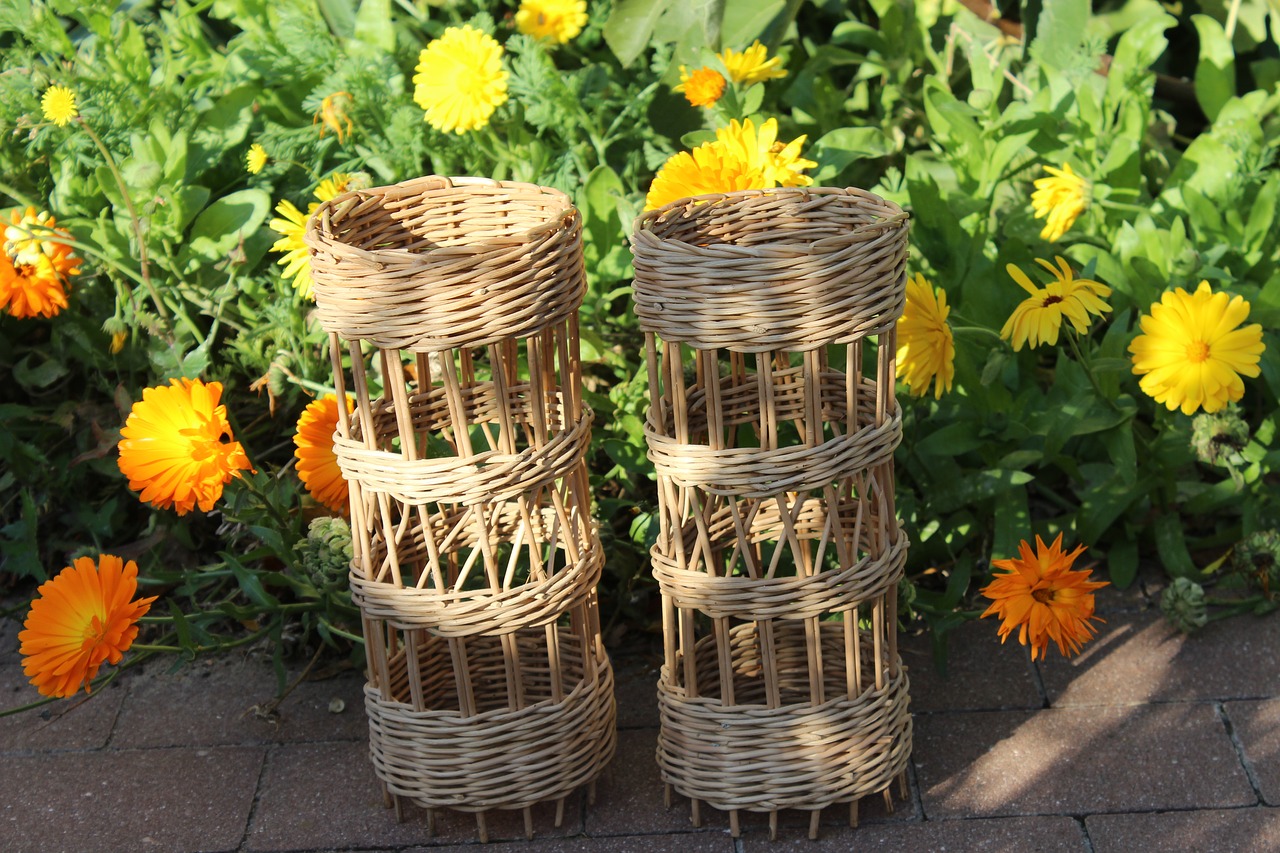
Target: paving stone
{"points": [[991, 835], [80, 722], [323, 796], [134, 800], [1077, 761], [1252, 830], [1257, 728], [677, 843], [981, 673], [1138, 657], [636, 690], [217, 697]]}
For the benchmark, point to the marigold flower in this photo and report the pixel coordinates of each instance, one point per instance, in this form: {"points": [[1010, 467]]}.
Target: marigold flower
{"points": [[333, 115], [82, 617], [292, 223], [176, 446], [552, 20], [926, 349], [59, 105], [780, 163], [1061, 197], [317, 463], [752, 65], [338, 183], [31, 290], [256, 160], [1038, 318], [460, 80], [702, 88], [1192, 351], [1040, 596]]}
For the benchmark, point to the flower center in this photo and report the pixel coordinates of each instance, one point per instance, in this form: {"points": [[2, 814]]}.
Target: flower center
{"points": [[1044, 596], [1197, 352], [1050, 300]]}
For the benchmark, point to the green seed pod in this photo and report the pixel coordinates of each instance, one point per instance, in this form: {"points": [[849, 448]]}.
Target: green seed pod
{"points": [[1259, 555], [326, 553], [1218, 438], [1183, 605]]}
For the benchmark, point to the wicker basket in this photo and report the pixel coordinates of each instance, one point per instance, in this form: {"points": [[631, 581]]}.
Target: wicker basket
{"points": [[772, 428], [452, 311]]}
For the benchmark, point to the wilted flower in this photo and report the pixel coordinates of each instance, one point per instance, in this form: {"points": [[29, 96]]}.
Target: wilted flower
{"points": [[332, 115], [1258, 554], [1183, 604], [926, 349], [1218, 438], [752, 65]]}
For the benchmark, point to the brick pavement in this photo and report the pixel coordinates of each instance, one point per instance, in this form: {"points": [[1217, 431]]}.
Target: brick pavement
{"points": [[1146, 741]]}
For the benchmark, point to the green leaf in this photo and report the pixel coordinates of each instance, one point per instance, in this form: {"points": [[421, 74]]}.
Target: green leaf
{"points": [[34, 377], [251, 584], [1173, 548], [223, 224], [837, 149], [976, 487], [951, 120], [1139, 47], [1059, 32], [1012, 520], [373, 25], [1122, 563], [710, 14], [950, 441], [630, 25], [1216, 70], [340, 15]]}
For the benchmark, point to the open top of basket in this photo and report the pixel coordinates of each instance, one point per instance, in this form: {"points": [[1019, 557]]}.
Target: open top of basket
{"points": [[436, 263], [791, 268]]}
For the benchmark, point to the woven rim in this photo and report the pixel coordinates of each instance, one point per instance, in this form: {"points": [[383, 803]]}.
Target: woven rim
{"points": [[488, 476], [498, 758], [791, 268], [752, 472], [469, 612], [798, 755], [437, 263]]}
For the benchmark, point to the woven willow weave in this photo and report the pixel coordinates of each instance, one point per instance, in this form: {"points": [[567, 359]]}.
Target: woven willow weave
{"points": [[769, 321], [452, 311]]}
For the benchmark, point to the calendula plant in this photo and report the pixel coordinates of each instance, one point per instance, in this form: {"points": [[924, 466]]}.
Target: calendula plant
{"points": [[1093, 269]]}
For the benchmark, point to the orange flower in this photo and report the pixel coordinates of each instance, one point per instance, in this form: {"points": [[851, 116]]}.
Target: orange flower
{"points": [[30, 235], [177, 448], [317, 463], [82, 617], [1040, 595], [31, 290], [703, 87]]}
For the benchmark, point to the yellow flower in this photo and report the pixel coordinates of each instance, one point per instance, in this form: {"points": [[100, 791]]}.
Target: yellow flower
{"points": [[460, 80], [333, 115], [59, 105], [30, 235], [709, 168], [1038, 318], [752, 65], [555, 20], [702, 88], [317, 463], [338, 183], [926, 350], [117, 342], [1043, 598], [82, 617], [1062, 197], [177, 448], [256, 160], [1191, 352], [31, 290], [292, 223], [781, 164]]}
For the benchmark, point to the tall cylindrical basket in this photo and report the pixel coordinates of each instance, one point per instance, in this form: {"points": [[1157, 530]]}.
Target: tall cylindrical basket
{"points": [[451, 306], [769, 324]]}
